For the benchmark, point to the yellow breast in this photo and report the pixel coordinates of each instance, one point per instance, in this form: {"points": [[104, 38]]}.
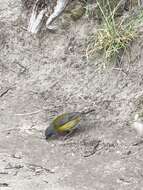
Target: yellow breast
{"points": [[69, 125]]}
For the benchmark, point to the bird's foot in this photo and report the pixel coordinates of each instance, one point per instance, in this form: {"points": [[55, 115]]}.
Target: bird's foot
{"points": [[70, 134]]}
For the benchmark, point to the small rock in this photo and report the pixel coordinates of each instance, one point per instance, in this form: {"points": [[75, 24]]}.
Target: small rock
{"points": [[17, 155], [4, 184], [138, 125]]}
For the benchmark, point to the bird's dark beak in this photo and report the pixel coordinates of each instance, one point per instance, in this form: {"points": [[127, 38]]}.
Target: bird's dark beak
{"points": [[48, 136]]}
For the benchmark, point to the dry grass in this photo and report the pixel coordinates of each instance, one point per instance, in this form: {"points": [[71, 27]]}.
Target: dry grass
{"points": [[113, 35]]}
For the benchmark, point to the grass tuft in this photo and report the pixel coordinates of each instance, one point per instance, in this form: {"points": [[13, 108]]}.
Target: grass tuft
{"points": [[114, 35]]}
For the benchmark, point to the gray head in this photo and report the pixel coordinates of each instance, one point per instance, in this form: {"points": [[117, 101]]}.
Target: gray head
{"points": [[49, 132]]}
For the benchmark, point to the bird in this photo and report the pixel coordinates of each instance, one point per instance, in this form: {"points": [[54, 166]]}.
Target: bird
{"points": [[65, 123]]}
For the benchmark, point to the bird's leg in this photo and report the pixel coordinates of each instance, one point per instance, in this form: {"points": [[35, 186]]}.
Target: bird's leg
{"points": [[61, 5], [71, 131], [69, 134]]}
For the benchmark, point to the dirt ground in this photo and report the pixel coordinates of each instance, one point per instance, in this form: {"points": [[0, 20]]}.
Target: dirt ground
{"points": [[47, 74]]}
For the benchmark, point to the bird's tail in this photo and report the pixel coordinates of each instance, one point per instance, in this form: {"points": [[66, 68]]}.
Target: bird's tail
{"points": [[87, 112]]}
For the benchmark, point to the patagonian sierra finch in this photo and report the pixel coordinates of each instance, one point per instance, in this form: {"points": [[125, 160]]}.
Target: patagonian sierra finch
{"points": [[65, 123]]}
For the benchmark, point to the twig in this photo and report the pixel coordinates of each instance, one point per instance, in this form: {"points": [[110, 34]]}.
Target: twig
{"points": [[15, 174], [119, 69], [23, 28], [23, 67], [3, 173], [36, 18], [124, 180], [94, 150], [138, 143], [59, 8], [39, 166], [5, 92], [89, 111], [9, 167], [9, 129], [4, 184], [31, 113], [45, 181]]}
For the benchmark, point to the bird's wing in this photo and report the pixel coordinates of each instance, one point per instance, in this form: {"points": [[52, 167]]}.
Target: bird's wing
{"points": [[64, 118], [69, 126]]}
